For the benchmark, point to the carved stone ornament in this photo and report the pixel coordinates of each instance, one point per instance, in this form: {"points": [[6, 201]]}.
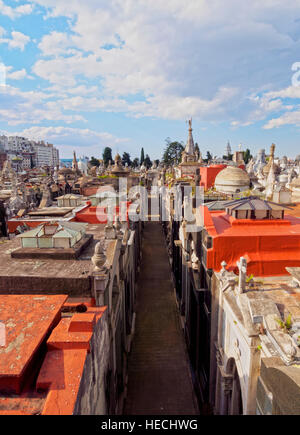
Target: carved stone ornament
{"points": [[236, 348], [219, 358], [98, 258], [227, 384]]}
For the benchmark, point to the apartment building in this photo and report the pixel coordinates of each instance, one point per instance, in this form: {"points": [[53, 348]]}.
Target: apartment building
{"points": [[30, 153], [46, 154], [3, 142]]}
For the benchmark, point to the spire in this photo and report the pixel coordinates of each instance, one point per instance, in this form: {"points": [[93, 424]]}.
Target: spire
{"points": [[270, 183], [228, 149], [74, 163], [272, 151], [190, 149]]}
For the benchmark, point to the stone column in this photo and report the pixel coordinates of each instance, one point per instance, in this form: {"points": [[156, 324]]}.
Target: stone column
{"points": [[219, 363], [100, 281], [242, 265], [197, 177]]}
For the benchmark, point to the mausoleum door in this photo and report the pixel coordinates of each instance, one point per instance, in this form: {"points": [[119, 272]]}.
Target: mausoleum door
{"points": [[236, 406], [235, 402]]}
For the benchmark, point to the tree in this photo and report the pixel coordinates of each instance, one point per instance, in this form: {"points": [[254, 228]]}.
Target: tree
{"points": [[126, 159], [228, 157], [94, 162], [247, 156], [135, 163], [157, 162], [142, 156], [172, 153], [147, 162], [107, 156], [209, 156]]}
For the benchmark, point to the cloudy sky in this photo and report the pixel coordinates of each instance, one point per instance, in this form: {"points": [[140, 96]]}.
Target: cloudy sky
{"points": [[129, 73]]}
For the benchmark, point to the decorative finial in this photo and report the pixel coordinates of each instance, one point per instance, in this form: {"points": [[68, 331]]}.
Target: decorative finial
{"points": [[223, 264], [98, 258]]}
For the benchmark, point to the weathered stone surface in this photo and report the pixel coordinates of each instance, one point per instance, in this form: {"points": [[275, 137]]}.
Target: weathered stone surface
{"points": [[48, 275], [91, 398]]}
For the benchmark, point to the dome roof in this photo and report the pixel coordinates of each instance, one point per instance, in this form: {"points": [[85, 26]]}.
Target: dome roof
{"points": [[233, 176]]}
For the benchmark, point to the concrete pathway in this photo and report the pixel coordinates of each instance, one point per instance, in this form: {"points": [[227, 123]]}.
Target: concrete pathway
{"points": [[159, 381]]}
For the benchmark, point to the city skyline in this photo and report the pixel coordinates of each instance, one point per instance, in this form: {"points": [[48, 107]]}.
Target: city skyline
{"points": [[136, 73]]}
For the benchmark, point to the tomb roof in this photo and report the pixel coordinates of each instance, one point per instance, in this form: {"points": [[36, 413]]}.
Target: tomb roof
{"points": [[254, 203], [43, 359]]}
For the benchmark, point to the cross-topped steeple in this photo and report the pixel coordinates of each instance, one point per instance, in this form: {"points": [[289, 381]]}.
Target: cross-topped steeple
{"points": [[190, 148]]}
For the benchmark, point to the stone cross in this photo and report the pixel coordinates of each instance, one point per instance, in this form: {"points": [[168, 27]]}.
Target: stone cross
{"points": [[242, 265]]}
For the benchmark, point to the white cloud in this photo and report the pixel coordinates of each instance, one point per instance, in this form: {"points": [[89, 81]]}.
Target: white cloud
{"points": [[290, 115], [17, 12], [17, 40], [55, 44], [289, 92], [289, 118], [67, 139], [176, 57], [31, 107], [169, 60], [16, 75], [174, 107]]}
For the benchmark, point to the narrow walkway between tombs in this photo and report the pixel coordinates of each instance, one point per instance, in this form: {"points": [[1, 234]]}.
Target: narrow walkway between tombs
{"points": [[159, 381]]}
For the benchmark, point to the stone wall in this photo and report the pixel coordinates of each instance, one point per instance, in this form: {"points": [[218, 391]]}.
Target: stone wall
{"points": [[48, 285], [92, 395], [278, 391]]}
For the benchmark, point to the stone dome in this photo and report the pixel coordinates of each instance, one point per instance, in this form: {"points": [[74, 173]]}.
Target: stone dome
{"points": [[232, 179]]}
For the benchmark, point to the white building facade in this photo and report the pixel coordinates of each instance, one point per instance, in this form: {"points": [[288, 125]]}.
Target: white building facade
{"points": [[30, 153], [46, 154]]}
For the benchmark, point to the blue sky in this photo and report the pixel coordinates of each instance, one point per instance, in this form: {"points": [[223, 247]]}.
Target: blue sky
{"points": [[129, 73]]}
